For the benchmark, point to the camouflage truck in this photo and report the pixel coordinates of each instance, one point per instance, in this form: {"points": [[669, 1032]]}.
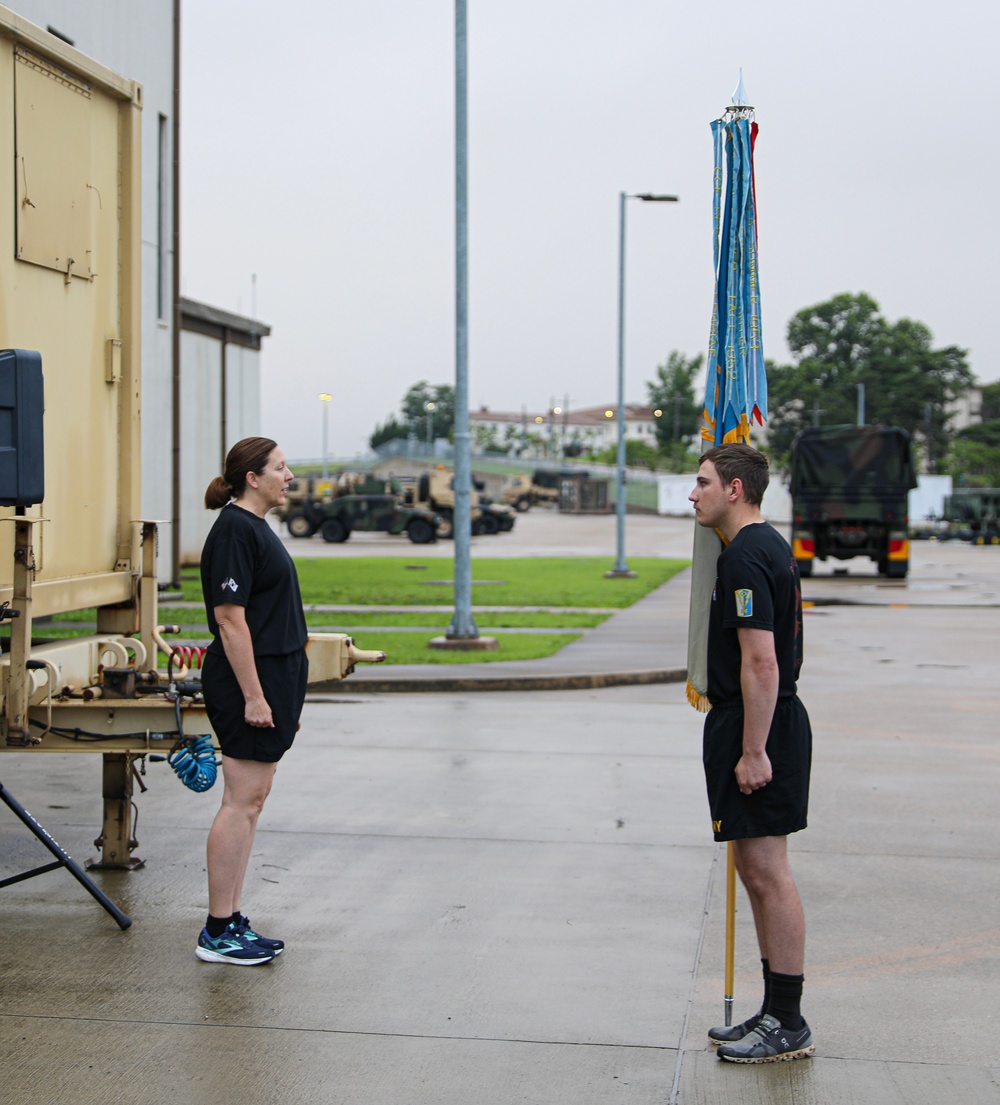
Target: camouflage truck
{"points": [[973, 514], [849, 487], [297, 511], [336, 519], [302, 511], [435, 491]]}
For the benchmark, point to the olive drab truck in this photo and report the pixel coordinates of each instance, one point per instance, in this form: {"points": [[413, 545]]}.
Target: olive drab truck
{"points": [[356, 502], [72, 537], [849, 488]]}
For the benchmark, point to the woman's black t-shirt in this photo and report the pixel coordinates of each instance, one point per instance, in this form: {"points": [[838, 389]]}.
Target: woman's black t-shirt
{"points": [[757, 586], [243, 562]]}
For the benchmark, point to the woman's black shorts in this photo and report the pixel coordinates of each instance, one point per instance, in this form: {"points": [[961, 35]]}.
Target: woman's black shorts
{"points": [[283, 680], [777, 809]]}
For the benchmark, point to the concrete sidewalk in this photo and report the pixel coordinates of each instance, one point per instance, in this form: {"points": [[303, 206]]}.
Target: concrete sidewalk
{"points": [[497, 897]]}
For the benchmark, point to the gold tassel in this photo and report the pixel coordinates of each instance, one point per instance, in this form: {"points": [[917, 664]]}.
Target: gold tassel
{"points": [[698, 700]]}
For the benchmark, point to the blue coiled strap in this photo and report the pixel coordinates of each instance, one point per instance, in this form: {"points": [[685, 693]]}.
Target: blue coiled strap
{"points": [[195, 763]]}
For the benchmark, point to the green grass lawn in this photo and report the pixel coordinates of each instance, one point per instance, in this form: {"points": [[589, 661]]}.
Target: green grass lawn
{"points": [[359, 582], [528, 581]]}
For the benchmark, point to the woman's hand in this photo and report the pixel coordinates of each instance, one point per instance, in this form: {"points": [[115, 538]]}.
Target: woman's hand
{"points": [[258, 713]]}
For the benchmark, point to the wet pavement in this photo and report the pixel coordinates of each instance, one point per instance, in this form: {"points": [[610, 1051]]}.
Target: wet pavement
{"points": [[512, 896]]}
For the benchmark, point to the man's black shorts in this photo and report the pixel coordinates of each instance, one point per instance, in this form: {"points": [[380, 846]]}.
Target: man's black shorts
{"points": [[777, 809], [283, 680]]}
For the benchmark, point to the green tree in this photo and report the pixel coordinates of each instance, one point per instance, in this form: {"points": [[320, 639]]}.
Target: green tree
{"points": [[391, 430], [973, 455], [638, 454], [846, 342], [416, 416], [672, 393]]}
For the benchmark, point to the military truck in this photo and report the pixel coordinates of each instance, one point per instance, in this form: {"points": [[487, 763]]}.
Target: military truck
{"points": [[336, 519], [435, 491], [497, 517], [973, 514], [302, 511], [522, 491], [849, 487]]}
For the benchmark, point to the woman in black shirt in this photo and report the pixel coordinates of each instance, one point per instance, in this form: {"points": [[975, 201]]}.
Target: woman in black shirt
{"points": [[254, 679]]}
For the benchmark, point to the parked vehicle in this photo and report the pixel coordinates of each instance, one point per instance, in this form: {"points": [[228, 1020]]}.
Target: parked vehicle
{"points": [[849, 488], [522, 491], [336, 519], [435, 491]]}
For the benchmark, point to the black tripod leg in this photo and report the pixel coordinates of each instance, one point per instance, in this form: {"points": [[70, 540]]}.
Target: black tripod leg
{"points": [[64, 858]]}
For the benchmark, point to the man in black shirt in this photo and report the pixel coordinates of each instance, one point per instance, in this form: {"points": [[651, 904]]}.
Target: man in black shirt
{"points": [[757, 740]]}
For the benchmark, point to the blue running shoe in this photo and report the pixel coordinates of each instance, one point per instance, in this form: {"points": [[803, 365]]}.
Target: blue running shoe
{"points": [[231, 947], [276, 947]]}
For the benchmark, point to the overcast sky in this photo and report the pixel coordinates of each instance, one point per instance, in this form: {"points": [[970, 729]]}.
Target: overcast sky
{"points": [[318, 154]]}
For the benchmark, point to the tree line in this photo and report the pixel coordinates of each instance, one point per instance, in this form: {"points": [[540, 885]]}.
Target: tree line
{"points": [[844, 353]]}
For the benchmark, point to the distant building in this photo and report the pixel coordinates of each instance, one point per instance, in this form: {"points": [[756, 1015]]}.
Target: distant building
{"points": [[557, 432]]}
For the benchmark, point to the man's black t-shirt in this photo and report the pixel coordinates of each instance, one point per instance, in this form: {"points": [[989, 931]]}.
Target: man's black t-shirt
{"points": [[244, 562], [756, 587]]}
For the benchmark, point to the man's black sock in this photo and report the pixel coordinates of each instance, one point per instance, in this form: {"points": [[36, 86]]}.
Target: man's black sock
{"points": [[785, 1000], [216, 926], [767, 985]]}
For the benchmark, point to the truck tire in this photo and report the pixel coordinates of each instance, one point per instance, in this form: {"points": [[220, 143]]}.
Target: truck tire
{"points": [[523, 504], [446, 527], [490, 524], [334, 531], [805, 568], [299, 525], [420, 531], [897, 569]]}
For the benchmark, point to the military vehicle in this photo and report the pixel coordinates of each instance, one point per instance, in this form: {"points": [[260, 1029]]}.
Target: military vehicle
{"points": [[522, 491], [497, 517], [973, 514], [336, 519], [295, 511], [849, 488], [302, 511], [435, 491]]}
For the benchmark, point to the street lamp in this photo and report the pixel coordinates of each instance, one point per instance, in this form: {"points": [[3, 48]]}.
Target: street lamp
{"points": [[429, 409], [324, 398], [621, 569]]}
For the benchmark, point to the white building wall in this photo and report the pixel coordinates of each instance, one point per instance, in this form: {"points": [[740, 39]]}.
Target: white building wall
{"points": [[202, 451]]}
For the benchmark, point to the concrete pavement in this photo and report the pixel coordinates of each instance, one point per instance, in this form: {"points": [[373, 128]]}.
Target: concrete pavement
{"points": [[503, 897]]}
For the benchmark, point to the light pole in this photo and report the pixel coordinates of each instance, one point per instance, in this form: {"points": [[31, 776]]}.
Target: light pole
{"points": [[621, 569], [324, 398], [429, 409]]}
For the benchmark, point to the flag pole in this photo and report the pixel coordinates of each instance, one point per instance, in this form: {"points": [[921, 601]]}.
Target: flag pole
{"points": [[727, 1000]]}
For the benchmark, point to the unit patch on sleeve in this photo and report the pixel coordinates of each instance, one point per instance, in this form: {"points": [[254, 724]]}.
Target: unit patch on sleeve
{"points": [[744, 603]]}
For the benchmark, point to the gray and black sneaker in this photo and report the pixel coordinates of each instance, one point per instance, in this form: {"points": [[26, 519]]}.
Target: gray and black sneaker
{"points": [[731, 1033], [769, 1042]]}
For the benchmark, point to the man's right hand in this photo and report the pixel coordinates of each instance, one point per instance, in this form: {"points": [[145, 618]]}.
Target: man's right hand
{"points": [[753, 771]]}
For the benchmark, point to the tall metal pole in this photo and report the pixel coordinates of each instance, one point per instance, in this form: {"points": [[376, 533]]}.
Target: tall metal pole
{"points": [[621, 568], [621, 564], [861, 404], [462, 625], [324, 398]]}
